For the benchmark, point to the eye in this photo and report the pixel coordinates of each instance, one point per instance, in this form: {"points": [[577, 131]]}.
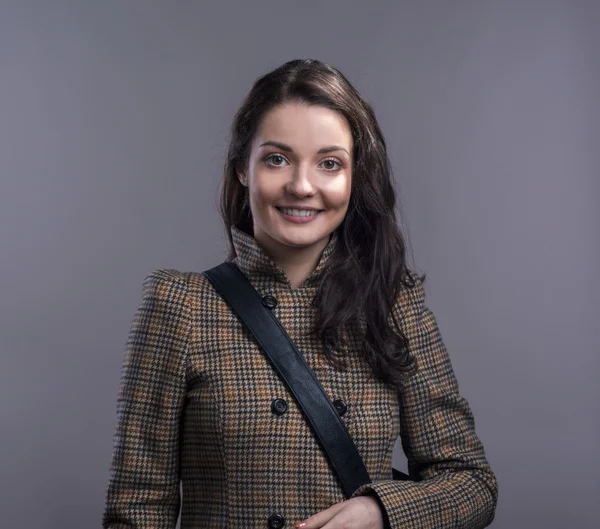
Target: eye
{"points": [[331, 163], [277, 158]]}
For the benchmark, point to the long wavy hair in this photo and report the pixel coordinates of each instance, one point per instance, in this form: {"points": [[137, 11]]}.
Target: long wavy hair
{"points": [[358, 289]]}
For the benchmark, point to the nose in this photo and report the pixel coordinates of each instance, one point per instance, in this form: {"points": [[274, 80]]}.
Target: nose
{"points": [[300, 183]]}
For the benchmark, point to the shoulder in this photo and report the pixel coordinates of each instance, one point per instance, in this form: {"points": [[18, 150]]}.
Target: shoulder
{"points": [[167, 278], [164, 283], [168, 285], [411, 293], [191, 288], [409, 306], [164, 297]]}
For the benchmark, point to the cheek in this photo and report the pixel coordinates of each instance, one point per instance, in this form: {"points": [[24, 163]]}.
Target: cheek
{"points": [[337, 192], [264, 190]]}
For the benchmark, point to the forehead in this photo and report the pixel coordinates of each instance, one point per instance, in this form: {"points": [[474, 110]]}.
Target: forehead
{"points": [[304, 127]]}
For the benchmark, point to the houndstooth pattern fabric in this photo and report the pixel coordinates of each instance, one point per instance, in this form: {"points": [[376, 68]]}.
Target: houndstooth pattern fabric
{"points": [[195, 404]]}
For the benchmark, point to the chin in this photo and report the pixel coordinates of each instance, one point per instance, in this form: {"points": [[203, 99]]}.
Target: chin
{"points": [[298, 240]]}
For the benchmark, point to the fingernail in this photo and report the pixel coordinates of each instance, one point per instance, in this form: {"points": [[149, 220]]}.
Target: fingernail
{"points": [[300, 524]]}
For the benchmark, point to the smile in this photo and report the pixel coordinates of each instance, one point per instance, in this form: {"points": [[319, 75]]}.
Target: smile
{"points": [[299, 212], [298, 215]]}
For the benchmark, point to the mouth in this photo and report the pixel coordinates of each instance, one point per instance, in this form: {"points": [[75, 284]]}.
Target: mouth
{"points": [[299, 216], [299, 212]]}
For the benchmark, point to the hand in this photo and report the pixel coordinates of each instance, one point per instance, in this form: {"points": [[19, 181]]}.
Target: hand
{"points": [[361, 512]]}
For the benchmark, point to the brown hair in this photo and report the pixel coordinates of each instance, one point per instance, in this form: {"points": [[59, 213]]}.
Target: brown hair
{"points": [[366, 272]]}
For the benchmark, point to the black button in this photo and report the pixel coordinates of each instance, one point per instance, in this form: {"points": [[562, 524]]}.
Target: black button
{"points": [[276, 521], [340, 406], [269, 301], [279, 406]]}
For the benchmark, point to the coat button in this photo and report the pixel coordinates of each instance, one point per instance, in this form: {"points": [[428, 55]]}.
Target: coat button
{"points": [[279, 406], [340, 406], [269, 301], [276, 521]]}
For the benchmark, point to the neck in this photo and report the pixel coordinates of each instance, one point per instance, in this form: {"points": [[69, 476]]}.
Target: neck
{"points": [[296, 263]]}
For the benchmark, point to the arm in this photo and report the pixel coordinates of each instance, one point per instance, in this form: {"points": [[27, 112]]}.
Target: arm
{"points": [[455, 485], [143, 491]]}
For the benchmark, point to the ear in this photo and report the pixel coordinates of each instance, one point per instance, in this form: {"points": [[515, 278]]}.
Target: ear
{"points": [[241, 175]]}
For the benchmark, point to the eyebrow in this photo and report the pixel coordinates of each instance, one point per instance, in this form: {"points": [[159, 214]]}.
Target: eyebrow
{"points": [[287, 148]]}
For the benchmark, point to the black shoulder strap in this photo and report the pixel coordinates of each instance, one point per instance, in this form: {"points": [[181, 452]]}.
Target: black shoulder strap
{"points": [[234, 287]]}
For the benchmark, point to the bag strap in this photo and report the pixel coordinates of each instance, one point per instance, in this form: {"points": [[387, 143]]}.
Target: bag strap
{"points": [[229, 282]]}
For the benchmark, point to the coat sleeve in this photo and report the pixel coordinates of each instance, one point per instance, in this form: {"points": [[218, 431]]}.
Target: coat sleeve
{"points": [[454, 485], [143, 490]]}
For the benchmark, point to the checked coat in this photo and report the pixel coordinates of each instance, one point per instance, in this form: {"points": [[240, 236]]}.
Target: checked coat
{"points": [[199, 402]]}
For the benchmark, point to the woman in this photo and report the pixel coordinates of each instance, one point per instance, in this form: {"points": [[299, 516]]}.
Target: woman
{"points": [[309, 207]]}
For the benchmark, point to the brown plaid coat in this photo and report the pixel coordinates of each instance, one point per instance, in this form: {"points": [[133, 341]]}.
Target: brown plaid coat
{"points": [[199, 402]]}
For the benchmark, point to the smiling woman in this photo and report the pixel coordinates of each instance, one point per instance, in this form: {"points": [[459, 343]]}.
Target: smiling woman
{"points": [[298, 192], [308, 204]]}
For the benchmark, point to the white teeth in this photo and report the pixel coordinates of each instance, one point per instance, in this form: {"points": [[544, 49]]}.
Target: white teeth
{"points": [[299, 212]]}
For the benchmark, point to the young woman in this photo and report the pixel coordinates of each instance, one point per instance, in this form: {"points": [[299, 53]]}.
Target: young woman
{"points": [[309, 207]]}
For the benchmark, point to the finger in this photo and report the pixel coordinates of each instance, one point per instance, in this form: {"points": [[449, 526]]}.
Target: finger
{"points": [[318, 520], [343, 519], [357, 514]]}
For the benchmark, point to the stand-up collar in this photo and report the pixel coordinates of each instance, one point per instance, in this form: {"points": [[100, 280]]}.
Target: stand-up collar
{"points": [[253, 260]]}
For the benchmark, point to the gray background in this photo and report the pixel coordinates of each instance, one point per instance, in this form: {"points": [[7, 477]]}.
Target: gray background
{"points": [[113, 126]]}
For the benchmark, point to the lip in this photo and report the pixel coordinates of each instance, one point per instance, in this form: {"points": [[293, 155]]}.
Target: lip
{"points": [[299, 208], [300, 220]]}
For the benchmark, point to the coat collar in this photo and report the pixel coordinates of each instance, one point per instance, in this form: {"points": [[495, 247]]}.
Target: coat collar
{"points": [[253, 260]]}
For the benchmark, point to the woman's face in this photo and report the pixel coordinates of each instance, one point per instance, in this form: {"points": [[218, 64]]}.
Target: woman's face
{"points": [[300, 158]]}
